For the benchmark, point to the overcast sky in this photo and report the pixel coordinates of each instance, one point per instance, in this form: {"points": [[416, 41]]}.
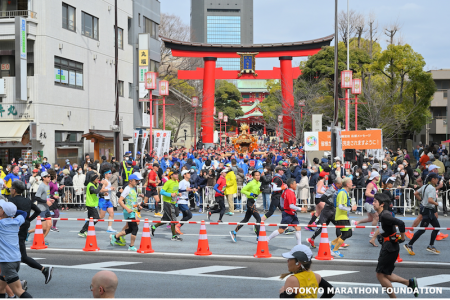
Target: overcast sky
{"points": [[425, 25]]}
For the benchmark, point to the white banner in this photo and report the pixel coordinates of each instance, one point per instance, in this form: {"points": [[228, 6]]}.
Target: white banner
{"points": [[157, 142], [311, 141], [144, 139], [136, 138], [165, 141], [161, 141]]}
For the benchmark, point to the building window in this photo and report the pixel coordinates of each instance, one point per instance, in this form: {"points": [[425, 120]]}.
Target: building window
{"points": [[68, 17], [130, 33], [130, 90], [154, 66], [120, 39], [224, 30], [120, 88], [150, 27], [89, 26], [68, 73], [223, 10]]}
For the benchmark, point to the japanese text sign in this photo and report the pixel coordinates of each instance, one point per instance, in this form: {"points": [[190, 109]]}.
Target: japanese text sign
{"points": [[143, 57]]}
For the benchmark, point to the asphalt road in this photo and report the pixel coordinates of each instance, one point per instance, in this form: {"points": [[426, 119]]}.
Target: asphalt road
{"points": [[188, 276], [221, 243]]}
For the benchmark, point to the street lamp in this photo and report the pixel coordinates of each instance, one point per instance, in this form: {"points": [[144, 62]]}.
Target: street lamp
{"points": [[346, 83], [220, 131], [225, 119], [356, 90], [150, 84], [164, 91]]}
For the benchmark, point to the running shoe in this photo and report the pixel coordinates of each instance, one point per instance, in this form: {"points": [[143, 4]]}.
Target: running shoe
{"points": [[409, 234], [47, 274], [153, 230], [169, 226], [54, 229], [415, 287], [231, 214], [331, 247], [372, 234], [176, 238], [200, 210], [219, 221], [444, 235], [409, 249], [47, 243], [233, 236], [122, 241], [337, 254], [290, 231], [433, 250], [353, 224], [111, 230], [82, 234], [309, 229], [28, 234], [344, 246], [311, 242], [209, 216], [177, 229], [24, 285], [112, 239], [158, 215], [439, 237], [132, 248]]}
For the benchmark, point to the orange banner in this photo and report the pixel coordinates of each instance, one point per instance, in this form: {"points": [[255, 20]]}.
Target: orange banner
{"points": [[360, 139]]}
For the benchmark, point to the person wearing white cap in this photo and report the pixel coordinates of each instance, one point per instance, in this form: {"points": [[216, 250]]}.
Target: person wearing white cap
{"points": [[299, 266], [184, 187], [10, 256], [371, 190]]}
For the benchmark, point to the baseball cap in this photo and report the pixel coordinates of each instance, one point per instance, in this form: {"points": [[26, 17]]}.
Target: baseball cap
{"points": [[373, 175], [35, 171], [139, 176], [323, 174], [337, 158], [433, 175], [24, 167], [9, 208], [184, 172], [44, 174], [66, 172], [432, 167], [224, 170], [300, 253], [390, 179], [156, 165], [133, 177], [129, 162]]}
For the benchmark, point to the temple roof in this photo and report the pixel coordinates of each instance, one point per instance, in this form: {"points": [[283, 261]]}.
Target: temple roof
{"points": [[301, 45], [251, 111]]}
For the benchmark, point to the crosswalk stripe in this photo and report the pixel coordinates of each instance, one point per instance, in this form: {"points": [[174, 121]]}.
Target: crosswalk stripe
{"points": [[106, 264], [202, 270]]}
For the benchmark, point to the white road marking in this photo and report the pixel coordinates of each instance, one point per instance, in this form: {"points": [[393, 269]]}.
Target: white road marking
{"points": [[432, 280], [106, 264], [202, 270], [327, 273]]}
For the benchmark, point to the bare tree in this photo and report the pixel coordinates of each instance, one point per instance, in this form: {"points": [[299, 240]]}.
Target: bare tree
{"points": [[360, 28], [372, 32], [172, 27], [342, 24], [391, 30]]}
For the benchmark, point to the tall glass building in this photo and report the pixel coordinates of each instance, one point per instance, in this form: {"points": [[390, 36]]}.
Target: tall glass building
{"points": [[222, 22]]}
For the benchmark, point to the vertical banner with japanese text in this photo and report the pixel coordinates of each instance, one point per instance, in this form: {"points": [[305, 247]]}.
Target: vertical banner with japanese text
{"points": [[136, 138]]}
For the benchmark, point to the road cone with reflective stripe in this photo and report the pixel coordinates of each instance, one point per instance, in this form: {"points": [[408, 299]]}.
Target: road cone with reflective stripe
{"points": [[146, 242], [262, 250], [203, 245], [38, 239], [324, 247], [91, 239]]}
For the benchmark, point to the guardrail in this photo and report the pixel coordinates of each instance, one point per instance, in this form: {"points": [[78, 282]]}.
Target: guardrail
{"points": [[405, 199]]}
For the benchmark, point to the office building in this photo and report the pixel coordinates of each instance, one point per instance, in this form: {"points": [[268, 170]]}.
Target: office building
{"points": [[58, 92], [222, 22]]}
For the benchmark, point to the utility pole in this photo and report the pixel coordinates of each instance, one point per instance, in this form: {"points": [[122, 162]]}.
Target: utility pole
{"points": [[336, 96], [117, 134]]}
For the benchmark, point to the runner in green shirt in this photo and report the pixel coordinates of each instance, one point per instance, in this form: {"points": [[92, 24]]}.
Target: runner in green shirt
{"points": [[343, 207], [170, 195]]}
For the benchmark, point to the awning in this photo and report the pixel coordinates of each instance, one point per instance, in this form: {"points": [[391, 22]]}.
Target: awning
{"points": [[102, 135], [12, 131]]}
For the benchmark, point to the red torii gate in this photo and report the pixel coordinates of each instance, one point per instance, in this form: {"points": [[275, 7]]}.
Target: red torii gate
{"points": [[210, 53]]}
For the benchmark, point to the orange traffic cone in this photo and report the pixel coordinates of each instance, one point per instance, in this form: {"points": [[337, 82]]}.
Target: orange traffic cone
{"points": [[399, 259], [38, 239], [203, 245], [91, 239], [262, 250], [324, 247], [146, 242]]}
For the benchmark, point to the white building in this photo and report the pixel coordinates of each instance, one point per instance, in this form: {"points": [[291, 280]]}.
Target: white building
{"points": [[70, 76]]}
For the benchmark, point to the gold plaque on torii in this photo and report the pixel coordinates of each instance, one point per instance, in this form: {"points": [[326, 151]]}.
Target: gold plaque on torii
{"points": [[247, 63]]}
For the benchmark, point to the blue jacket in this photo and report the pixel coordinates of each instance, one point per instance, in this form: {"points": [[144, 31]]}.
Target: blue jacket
{"points": [[297, 174], [313, 180]]}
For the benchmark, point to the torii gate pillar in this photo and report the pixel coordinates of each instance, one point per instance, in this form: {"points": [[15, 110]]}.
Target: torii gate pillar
{"points": [[287, 91], [209, 81]]}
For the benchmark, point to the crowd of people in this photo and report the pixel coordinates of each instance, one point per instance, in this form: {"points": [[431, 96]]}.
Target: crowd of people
{"points": [[186, 180]]}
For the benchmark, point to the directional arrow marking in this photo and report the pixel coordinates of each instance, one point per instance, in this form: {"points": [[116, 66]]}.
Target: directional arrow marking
{"points": [[202, 270]]}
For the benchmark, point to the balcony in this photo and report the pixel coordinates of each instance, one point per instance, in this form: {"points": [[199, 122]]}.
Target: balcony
{"points": [[18, 13], [439, 99], [7, 24]]}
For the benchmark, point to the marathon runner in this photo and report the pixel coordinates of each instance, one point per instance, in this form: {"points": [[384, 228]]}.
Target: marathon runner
{"points": [[24, 204], [343, 207], [151, 188], [128, 201], [289, 213], [184, 187], [329, 210], [299, 261], [278, 186], [427, 194], [10, 256], [219, 188], [321, 188], [390, 248], [105, 204], [170, 194], [251, 190]]}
